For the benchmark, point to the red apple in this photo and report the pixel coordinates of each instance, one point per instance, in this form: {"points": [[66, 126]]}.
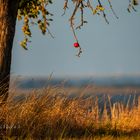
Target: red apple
{"points": [[76, 45]]}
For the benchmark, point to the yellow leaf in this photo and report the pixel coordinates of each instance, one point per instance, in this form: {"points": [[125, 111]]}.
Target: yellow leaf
{"points": [[101, 8], [94, 12]]}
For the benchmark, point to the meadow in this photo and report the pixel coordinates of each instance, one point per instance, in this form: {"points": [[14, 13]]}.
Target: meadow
{"points": [[52, 113]]}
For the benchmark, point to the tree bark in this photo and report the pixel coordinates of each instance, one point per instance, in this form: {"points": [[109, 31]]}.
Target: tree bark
{"points": [[8, 16]]}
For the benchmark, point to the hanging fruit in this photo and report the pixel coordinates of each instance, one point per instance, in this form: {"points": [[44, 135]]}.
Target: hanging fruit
{"points": [[76, 45]]}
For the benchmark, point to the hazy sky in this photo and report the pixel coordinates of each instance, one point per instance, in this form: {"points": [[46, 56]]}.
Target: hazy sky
{"points": [[107, 49]]}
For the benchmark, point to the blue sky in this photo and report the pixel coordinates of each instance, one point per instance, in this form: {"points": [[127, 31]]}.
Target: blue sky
{"points": [[107, 49]]}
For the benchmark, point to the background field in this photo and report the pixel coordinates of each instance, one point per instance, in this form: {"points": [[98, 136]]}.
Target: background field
{"points": [[66, 110]]}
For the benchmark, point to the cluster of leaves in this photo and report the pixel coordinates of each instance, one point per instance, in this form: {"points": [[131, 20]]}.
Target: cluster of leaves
{"points": [[33, 12]]}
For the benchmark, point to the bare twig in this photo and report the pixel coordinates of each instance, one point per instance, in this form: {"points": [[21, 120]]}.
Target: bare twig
{"points": [[79, 52], [111, 7], [65, 7], [78, 2], [104, 15], [49, 32], [89, 5], [72, 19], [82, 17]]}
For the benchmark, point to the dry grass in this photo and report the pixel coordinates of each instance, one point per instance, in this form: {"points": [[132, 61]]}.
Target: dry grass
{"points": [[50, 114]]}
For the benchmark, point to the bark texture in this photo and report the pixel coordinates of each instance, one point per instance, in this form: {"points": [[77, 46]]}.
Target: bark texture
{"points": [[8, 15]]}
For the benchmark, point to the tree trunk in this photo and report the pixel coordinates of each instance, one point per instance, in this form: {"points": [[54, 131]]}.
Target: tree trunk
{"points": [[8, 15]]}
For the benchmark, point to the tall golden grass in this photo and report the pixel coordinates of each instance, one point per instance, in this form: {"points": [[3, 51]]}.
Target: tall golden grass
{"points": [[50, 114]]}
